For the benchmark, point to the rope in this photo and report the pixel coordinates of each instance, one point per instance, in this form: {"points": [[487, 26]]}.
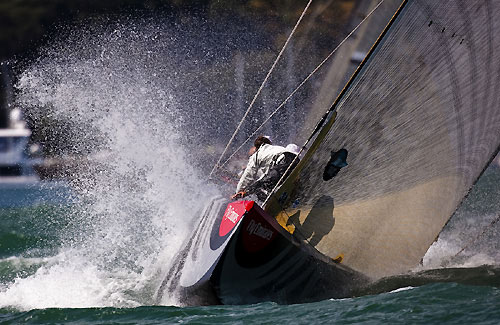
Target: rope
{"points": [[298, 87], [261, 87]]}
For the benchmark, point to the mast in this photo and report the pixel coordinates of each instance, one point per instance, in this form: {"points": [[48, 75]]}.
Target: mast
{"points": [[324, 124]]}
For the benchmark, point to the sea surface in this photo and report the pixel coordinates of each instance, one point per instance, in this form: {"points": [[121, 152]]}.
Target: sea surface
{"points": [[49, 275], [437, 303]]}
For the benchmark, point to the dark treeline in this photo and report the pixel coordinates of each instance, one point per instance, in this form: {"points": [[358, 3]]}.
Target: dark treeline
{"points": [[26, 26], [24, 23]]}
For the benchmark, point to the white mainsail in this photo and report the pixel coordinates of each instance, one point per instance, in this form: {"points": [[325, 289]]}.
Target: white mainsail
{"points": [[421, 121]]}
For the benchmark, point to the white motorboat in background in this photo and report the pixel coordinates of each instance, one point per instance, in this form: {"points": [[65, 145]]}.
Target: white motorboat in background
{"points": [[20, 185]]}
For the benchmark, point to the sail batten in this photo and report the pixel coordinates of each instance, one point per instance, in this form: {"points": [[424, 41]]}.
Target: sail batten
{"points": [[421, 121]]}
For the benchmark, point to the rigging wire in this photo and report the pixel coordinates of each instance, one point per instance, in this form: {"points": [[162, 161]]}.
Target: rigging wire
{"points": [[295, 90], [261, 86]]}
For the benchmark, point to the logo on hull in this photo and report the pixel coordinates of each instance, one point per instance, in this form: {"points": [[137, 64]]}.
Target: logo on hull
{"points": [[234, 212], [231, 215], [257, 229]]}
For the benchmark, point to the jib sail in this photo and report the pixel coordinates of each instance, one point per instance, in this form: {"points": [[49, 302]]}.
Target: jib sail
{"points": [[420, 120]]}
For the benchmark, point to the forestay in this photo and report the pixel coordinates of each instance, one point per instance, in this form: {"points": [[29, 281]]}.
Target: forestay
{"points": [[421, 121]]}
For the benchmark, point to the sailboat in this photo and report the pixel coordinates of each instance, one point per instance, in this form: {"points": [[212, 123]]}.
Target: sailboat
{"points": [[420, 119]]}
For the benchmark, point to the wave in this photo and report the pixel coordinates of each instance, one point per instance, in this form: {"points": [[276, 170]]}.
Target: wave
{"points": [[484, 275]]}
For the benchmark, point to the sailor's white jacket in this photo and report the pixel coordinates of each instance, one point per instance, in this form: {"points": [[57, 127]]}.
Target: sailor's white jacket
{"points": [[259, 164]]}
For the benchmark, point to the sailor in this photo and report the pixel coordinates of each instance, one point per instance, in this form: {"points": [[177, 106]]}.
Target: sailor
{"points": [[264, 169]]}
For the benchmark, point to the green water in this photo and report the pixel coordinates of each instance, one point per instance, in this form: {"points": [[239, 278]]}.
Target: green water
{"points": [[35, 243], [435, 303]]}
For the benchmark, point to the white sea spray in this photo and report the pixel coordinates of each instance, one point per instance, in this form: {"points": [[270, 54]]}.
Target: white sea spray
{"points": [[138, 190]]}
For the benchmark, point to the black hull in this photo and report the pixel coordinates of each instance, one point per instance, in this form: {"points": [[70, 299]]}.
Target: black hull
{"points": [[263, 262], [238, 254]]}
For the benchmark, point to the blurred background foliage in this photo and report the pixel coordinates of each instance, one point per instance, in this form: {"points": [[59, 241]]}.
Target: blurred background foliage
{"points": [[26, 26], [24, 23]]}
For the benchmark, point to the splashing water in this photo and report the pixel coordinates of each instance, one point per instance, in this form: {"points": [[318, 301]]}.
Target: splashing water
{"points": [[138, 189], [470, 239]]}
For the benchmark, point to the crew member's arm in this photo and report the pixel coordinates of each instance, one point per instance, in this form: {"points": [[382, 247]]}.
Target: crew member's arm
{"points": [[247, 177]]}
